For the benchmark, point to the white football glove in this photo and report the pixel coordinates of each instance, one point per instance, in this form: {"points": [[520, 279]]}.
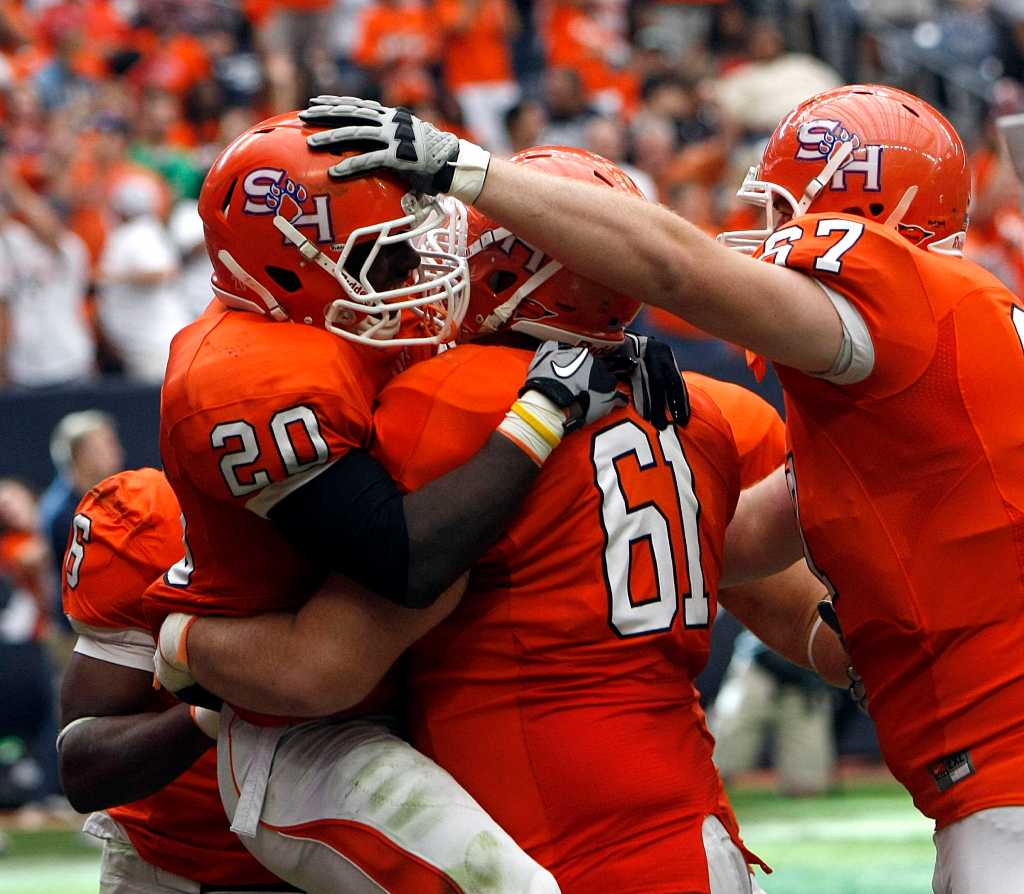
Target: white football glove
{"points": [[430, 160]]}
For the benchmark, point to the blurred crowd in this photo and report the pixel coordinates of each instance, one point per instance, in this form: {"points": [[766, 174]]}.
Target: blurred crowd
{"points": [[112, 110]]}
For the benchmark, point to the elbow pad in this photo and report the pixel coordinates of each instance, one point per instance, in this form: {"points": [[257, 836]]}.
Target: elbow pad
{"points": [[351, 519]]}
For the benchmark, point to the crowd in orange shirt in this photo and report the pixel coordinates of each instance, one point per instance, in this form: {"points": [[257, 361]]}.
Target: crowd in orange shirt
{"points": [[676, 91]]}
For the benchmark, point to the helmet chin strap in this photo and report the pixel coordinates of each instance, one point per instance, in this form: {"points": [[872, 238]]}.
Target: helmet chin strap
{"points": [[897, 214], [243, 276], [835, 161]]}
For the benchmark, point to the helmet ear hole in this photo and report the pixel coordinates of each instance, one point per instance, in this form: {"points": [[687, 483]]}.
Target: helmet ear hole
{"points": [[857, 211], [876, 209], [286, 279], [501, 280]]}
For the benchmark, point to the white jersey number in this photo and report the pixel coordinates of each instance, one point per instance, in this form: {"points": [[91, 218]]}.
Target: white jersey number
{"points": [[243, 435], [633, 614], [81, 533], [778, 246]]}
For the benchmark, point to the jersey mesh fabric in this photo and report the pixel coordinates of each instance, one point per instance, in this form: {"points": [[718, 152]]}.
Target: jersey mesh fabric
{"points": [[134, 533], [566, 732], [911, 486]]}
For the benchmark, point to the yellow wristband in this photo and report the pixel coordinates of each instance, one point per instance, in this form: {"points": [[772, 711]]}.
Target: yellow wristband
{"points": [[524, 413]]}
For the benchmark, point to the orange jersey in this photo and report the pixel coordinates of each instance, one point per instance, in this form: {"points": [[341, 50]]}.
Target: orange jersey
{"points": [[477, 53], [759, 432], [250, 410], [126, 530], [911, 500], [560, 692]]}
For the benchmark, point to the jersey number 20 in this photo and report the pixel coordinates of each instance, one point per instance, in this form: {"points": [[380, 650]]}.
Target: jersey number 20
{"points": [[625, 525]]}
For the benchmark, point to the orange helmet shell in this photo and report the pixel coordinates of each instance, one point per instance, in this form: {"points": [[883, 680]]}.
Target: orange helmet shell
{"points": [[907, 168], [514, 286], [269, 178]]}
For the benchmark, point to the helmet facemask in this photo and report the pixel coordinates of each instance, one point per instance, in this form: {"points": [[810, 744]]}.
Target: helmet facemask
{"points": [[437, 291]]}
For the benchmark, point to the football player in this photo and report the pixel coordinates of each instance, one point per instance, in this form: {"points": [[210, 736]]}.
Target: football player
{"points": [[561, 690], [327, 288], [134, 754], [901, 364]]}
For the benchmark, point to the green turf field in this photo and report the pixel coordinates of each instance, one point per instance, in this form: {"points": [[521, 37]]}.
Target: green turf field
{"points": [[867, 840]]}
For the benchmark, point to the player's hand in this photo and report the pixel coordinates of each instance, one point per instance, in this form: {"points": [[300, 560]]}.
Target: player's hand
{"points": [[430, 160], [659, 392], [171, 661], [576, 381], [857, 691]]}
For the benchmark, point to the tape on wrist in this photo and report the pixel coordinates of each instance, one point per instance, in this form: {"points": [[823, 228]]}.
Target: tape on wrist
{"points": [[470, 172], [535, 424], [67, 729], [810, 645]]}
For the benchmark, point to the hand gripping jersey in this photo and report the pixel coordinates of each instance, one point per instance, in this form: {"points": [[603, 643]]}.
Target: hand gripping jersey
{"points": [[560, 692], [250, 410], [126, 531], [911, 498]]}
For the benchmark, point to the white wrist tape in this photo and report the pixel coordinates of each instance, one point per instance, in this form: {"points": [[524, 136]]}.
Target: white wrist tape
{"points": [[536, 424], [470, 172], [810, 645], [63, 733]]}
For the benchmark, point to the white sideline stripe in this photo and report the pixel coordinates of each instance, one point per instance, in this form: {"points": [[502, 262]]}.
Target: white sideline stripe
{"points": [[911, 828]]}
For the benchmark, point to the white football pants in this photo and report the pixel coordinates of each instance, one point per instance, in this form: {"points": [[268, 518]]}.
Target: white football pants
{"points": [[981, 854], [348, 806]]}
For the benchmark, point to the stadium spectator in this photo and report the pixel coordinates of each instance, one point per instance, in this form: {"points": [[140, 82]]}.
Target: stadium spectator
{"points": [[757, 95], [524, 124], [478, 65], [44, 274], [26, 690], [139, 309], [567, 106], [193, 283], [85, 449], [763, 696], [607, 137]]}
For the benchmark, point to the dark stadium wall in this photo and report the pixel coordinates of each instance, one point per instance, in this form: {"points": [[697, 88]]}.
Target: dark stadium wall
{"points": [[28, 417]]}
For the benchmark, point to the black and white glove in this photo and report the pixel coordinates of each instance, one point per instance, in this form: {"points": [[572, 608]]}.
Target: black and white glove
{"points": [[430, 160], [566, 388], [659, 392]]}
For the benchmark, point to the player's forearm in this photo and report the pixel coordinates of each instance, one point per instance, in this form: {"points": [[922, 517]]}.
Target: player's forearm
{"points": [[108, 761], [644, 250], [324, 659], [782, 611], [455, 519]]}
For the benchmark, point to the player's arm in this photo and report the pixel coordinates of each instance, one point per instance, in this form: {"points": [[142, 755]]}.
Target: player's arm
{"points": [[636, 247], [413, 547], [782, 611], [115, 745], [763, 537], [325, 658]]}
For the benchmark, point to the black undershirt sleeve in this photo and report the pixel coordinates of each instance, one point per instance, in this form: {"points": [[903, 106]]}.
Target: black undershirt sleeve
{"points": [[410, 549]]}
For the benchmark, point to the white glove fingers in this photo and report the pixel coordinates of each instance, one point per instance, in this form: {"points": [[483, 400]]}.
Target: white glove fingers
{"points": [[349, 132], [329, 99], [367, 161]]}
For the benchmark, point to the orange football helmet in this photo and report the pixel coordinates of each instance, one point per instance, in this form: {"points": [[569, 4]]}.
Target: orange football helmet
{"points": [[869, 150], [288, 241], [515, 286]]}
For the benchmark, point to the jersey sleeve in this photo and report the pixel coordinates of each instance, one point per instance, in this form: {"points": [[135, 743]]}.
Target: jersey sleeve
{"points": [[125, 532], [253, 445], [436, 415], [871, 275], [758, 430]]}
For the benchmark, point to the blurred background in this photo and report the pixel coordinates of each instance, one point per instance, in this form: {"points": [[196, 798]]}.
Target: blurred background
{"points": [[111, 111]]}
